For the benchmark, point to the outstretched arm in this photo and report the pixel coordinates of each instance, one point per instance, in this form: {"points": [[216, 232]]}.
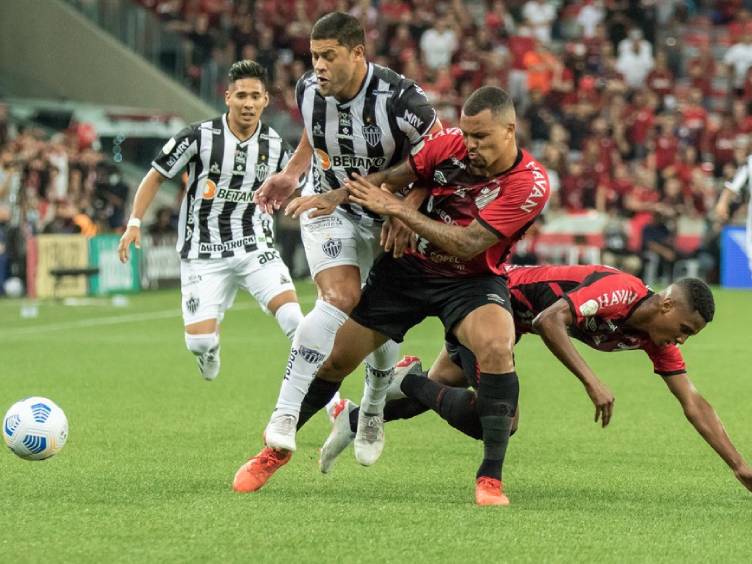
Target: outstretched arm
{"points": [[551, 324], [703, 418]]}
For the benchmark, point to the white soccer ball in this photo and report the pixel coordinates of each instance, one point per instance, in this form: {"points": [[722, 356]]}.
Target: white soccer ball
{"points": [[13, 287], [35, 428]]}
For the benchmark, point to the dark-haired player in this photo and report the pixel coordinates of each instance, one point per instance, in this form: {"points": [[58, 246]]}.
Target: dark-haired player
{"points": [[359, 118], [225, 241], [485, 192], [605, 308]]}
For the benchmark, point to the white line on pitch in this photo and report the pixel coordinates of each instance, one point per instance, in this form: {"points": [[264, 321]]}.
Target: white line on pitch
{"points": [[93, 322]]}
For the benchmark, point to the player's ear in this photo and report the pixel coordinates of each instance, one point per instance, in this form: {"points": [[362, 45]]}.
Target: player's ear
{"points": [[227, 97], [667, 304], [359, 52]]}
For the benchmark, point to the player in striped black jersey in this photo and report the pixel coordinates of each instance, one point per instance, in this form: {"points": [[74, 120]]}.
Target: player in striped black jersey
{"points": [[225, 241], [360, 118]]}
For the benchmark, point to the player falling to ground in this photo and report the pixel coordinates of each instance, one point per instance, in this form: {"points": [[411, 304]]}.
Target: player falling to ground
{"points": [[359, 118], [485, 193], [603, 307], [225, 241], [733, 189]]}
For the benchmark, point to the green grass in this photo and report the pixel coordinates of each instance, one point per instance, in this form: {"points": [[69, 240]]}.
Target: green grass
{"points": [[146, 473]]}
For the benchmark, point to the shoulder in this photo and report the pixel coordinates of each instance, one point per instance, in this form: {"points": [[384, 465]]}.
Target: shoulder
{"points": [[448, 140]]}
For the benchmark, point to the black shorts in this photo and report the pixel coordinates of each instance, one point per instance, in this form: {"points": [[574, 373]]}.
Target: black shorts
{"points": [[399, 294]]}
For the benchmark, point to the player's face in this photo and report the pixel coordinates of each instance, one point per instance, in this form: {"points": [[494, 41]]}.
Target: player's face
{"points": [[335, 65], [488, 139], [674, 323], [246, 99]]}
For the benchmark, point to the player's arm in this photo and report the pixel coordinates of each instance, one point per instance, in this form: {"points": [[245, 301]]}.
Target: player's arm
{"points": [[552, 325], [141, 202], [731, 191], [704, 419], [280, 186]]}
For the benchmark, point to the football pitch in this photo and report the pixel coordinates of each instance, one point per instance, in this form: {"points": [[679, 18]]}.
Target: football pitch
{"points": [[146, 474]]}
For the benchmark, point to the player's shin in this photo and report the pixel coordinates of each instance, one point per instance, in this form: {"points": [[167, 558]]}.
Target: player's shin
{"points": [[288, 318], [379, 372], [312, 344], [496, 405], [320, 393]]}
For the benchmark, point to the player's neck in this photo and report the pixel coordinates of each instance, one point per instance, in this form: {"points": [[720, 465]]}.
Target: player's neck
{"points": [[640, 318], [242, 133], [354, 86]]}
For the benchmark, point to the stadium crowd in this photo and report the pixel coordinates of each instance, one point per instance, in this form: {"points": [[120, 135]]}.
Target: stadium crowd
{"points": [[639, 109]]}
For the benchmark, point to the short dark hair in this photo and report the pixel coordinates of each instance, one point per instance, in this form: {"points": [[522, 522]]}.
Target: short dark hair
{"points": [[346, 29], [699, 297], [488, 98], [247, 69]]}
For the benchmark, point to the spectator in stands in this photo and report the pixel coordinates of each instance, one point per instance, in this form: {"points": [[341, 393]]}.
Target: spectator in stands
{"points": [[739, 60], [540, 16], [635, 59], [438, 44]]}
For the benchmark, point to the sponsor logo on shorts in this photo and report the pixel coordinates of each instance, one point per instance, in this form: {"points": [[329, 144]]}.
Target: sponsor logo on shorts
{"points": [[228, 246], [284, 279], [193, 279], [311, 356], [322, 223], [267, 256], [332, 247], [191, 304], [495, 298]]}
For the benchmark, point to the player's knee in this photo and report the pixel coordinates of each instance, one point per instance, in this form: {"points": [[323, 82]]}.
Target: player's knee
{"points": [[495, 355], [201, 344], [344, 299]]}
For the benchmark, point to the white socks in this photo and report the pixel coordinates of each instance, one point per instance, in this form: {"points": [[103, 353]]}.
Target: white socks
{"points": [[201, 344], [313, 343], [288, 317], [379, 373]]}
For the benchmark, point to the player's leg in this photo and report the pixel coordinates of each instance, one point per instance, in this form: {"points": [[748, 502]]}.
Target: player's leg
{"points": [[332, 257], [205, 288], [488, 331]]}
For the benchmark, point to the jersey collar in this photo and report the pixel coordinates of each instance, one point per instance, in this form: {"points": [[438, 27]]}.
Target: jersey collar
{"points": [[231, 134]]}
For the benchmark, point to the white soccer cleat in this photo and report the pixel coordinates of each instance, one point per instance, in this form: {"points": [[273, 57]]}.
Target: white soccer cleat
{"points": [[408, 365], [369, 440], [208, 363], [280, 432], [340, 437]]}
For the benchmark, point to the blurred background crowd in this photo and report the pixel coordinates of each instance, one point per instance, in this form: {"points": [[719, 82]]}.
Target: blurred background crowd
{"points": [[640, 109]]}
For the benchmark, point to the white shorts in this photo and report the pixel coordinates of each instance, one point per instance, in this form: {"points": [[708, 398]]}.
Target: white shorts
{"points": [[209, 286], [340, 239]]}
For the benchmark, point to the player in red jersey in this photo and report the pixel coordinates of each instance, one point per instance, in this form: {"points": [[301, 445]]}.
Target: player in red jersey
{"points": [[601, 306], [485, 192]]}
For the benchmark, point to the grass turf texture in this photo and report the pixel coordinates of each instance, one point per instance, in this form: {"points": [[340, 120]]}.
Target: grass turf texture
{"points": [[146, 474]]}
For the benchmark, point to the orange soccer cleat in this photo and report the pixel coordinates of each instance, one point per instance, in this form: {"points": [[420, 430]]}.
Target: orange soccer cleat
{"points": [[257, 471], [490, 491]]}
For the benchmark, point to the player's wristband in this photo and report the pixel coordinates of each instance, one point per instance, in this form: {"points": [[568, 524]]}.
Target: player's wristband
{"points": [[134, 222]]}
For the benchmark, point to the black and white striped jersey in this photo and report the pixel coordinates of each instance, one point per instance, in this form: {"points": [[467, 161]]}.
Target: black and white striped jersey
{"points": [[218, 218], [373, 131]]}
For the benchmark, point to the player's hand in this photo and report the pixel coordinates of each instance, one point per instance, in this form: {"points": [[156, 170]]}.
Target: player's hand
{"points": [[321, 204], [131, 235], [377, 199], [397, 237], [744, 475], [274, 191], [722, 211], [603, 400]]}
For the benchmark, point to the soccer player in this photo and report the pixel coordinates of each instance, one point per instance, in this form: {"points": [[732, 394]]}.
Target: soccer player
{"points": [[742, 178], [225, 241], [605, 308], [360, 118], [485, 192]]}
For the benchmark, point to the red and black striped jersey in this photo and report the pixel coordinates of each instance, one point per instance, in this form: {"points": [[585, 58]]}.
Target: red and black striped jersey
{"points": [[601, 299], [506, 204]]}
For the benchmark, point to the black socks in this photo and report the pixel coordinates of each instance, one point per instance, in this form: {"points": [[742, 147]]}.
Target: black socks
{"points": [[319, 394], [496, 405]]}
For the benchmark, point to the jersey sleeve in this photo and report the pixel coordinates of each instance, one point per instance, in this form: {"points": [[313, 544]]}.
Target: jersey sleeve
{"points": [[520, 203], [284, 158], [609, 296], [667, 360], [413, 112], [177, 152], [740, 178], [435, 149]]}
